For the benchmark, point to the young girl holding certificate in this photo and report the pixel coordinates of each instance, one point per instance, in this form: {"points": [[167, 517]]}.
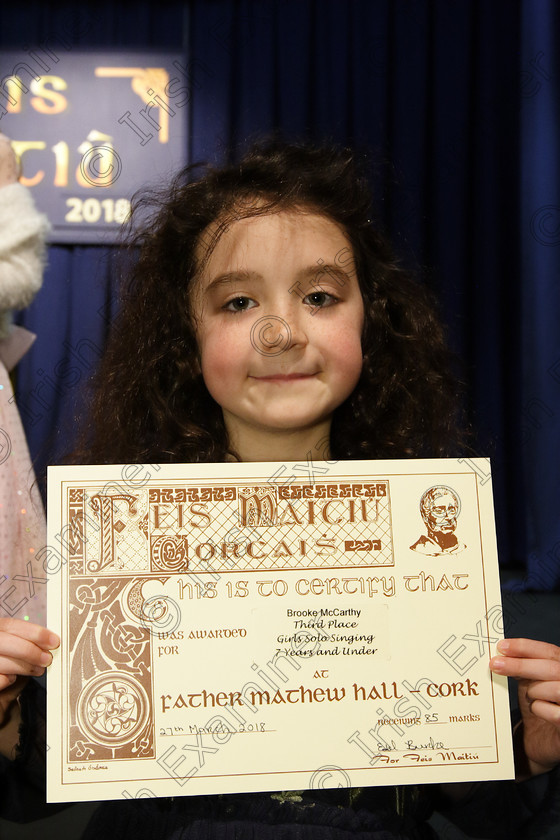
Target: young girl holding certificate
{"points": [[267, 319]]}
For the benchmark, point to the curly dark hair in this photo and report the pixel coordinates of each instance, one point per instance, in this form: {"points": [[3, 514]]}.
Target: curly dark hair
{"points": [[150, 403]]}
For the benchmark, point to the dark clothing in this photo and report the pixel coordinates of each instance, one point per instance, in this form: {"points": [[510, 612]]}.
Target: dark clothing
{"points": [[320, 815]]}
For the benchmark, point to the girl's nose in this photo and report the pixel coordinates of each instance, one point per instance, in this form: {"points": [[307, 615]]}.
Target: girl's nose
{"points": [[272, 335]]}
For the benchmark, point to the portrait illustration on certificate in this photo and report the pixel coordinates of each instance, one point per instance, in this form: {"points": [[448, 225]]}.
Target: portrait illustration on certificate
{"points": [[247, 627], [439, 506]]}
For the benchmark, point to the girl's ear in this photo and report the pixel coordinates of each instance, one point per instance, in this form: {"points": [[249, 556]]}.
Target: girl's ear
{"points": [[197, 368], [196, 358], [195, 355]]}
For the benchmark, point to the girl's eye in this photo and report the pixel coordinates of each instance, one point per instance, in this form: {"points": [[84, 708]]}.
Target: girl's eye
{"points": [[239, 304], [319, 299]]}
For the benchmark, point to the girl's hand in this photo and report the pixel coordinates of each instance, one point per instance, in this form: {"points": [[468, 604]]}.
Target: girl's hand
{"points": [[25, 650], [536, 665], [9, 164]]}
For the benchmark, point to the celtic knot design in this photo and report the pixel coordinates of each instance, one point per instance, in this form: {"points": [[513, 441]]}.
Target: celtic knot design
{"points": [[113, 709]]}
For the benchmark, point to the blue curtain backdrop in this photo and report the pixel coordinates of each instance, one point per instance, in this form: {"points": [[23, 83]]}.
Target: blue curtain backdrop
{"points": [[539, 332], [461, 97]]}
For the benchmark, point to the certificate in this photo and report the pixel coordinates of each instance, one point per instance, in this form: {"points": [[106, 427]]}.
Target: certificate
{"points": [[258, 627]]}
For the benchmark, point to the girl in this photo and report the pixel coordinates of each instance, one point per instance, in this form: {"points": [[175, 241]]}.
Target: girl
{"points": [[266, 319]]}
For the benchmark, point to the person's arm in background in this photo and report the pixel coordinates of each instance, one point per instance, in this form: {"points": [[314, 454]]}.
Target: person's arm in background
{"points": [[22, 644], [22, 239]]}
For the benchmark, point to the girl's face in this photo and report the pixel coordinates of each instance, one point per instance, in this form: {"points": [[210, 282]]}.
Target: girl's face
{"points": [[279, 316]]}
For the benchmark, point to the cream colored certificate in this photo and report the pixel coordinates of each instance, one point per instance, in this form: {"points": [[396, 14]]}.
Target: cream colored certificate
{"points": [[249, 627]]}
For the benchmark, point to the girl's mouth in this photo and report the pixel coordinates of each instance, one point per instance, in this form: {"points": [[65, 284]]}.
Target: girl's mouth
{"points": [[284, 377]]}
